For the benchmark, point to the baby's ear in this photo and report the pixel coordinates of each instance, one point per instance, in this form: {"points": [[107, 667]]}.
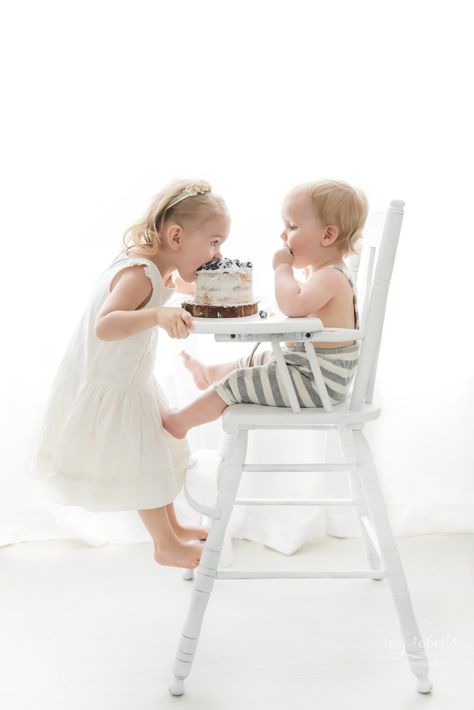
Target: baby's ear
{"points": [[331, 234]]}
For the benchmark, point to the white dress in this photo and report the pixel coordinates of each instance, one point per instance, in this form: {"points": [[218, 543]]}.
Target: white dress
{"points": [[102, 445]]}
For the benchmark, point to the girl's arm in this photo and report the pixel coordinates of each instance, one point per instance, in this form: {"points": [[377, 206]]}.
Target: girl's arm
{"points": [[122, 324], [119, 324], [118, 317]]}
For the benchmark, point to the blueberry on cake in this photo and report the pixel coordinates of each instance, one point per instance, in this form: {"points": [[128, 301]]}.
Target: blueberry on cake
{"points": [[223, 290]]}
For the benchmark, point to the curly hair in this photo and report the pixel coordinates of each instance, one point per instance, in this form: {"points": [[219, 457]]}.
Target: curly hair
{"points": [[144, 236]]}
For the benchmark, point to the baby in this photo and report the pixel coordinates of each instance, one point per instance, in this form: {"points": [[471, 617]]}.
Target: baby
{"points": [[322, 223]]}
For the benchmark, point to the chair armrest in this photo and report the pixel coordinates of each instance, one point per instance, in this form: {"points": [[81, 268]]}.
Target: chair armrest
{"points": [[329, 335]]}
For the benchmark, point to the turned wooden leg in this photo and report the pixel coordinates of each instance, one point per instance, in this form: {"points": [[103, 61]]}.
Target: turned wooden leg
{"points": [[233, 451], [392, 562]]}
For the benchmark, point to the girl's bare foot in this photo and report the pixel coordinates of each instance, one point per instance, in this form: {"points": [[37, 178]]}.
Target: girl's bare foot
{"points": [[197, 370], [177, 554], [187, 534], [173, 425]]}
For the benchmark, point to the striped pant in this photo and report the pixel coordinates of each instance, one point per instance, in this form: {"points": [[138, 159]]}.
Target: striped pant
{"points": [[261, 383]]}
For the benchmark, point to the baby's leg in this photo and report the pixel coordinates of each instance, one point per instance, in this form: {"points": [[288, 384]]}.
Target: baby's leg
{"points": [[238, 385], [261, 383], [205, 375], [168, 549], [206, 408]]}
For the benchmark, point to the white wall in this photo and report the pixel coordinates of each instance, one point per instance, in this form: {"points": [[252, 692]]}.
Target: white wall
{"points": [[103, 102]]}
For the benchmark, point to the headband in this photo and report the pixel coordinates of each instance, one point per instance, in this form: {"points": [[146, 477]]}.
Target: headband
{"points": [[194, 188]]}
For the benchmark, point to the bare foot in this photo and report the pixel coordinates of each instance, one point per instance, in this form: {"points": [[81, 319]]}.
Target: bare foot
{"points": [[186, 533], [173, 425], [197, 370], [177, 554]]}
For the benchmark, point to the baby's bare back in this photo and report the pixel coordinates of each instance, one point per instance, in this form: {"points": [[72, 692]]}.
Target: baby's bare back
{"points": [[337, 313]]}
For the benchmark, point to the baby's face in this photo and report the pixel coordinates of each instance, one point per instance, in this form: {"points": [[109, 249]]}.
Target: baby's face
{"points": [[302, 231]]}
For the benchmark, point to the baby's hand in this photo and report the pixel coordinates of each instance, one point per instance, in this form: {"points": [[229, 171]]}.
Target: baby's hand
{"points": [[176, 321], [283, 256]]}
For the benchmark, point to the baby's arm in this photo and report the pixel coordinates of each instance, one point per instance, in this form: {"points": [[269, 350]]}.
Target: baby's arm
{"points": [[296, 299]]}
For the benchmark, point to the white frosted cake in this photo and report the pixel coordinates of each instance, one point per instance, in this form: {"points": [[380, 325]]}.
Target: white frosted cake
{"points": [[224, 289]]}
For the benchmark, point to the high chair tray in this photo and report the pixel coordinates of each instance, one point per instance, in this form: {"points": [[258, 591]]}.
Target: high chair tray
{"points": [[275, 322]]}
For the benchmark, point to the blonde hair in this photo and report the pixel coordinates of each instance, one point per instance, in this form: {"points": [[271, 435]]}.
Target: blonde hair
{"points": [[336, 202], [145, 236]]}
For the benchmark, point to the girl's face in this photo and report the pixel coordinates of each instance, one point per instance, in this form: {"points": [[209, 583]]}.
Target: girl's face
{"points": [[303, 232], [201, 245]]}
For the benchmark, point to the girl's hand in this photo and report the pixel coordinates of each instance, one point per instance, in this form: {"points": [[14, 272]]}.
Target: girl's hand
{"points": [[282, 256], [176, 321]]}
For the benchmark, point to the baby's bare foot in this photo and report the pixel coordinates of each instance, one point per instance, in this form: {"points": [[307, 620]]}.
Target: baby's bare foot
{"points": [[179, 555], [187, 533], [197, 370], [173, 425]]}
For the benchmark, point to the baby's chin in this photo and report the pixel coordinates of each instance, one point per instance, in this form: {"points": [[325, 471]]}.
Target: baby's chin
{"points": [[300, 263]]}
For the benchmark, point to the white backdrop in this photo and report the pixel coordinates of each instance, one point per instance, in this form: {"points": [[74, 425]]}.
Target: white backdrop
{"points": [[104, 102]]}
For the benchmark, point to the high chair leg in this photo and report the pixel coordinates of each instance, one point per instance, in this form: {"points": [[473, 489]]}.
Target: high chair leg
{"points": [[227, 553], [360, 502], [391, 559], [233, 450]]}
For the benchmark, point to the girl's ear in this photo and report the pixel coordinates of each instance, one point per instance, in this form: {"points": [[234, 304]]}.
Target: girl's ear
{"points": [[173, 236], [330, 235]]}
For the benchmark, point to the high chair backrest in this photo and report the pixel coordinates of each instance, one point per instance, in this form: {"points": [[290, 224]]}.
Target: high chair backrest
{"points": [[375, 295]]}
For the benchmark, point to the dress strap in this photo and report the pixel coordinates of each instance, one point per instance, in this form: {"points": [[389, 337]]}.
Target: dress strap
{"points": [[151, 270], [344, 270]]}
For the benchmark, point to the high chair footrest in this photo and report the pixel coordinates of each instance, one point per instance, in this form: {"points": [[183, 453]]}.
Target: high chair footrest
{"points": [[302, 574], [299, 467], [294, 501]]}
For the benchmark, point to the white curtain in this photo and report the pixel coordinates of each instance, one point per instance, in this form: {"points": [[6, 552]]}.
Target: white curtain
{"points": [[105, 102]]}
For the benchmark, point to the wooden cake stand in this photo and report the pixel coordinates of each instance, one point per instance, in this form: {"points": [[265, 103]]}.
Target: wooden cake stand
{"points": [[202, 311]]}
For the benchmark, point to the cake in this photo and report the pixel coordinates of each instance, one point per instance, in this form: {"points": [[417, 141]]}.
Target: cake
{"points": [[224, 289]]}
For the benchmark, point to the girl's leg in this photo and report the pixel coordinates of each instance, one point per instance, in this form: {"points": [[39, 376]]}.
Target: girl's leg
{"points": [[205, 375], [183, 532], [206, 408], [168, 549]]}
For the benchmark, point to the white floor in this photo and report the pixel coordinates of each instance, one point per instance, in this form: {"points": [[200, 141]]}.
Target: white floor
{"points": [[97, 628]]}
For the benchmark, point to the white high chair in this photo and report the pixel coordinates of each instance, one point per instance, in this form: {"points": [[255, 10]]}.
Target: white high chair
{"points": [[347, 419]]}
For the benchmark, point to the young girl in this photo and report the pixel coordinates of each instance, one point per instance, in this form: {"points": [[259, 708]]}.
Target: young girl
{"points": [[322, 223], [102, 444]]}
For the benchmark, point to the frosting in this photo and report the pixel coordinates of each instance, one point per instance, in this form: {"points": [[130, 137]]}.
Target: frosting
{"points": [[227, 282]]}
